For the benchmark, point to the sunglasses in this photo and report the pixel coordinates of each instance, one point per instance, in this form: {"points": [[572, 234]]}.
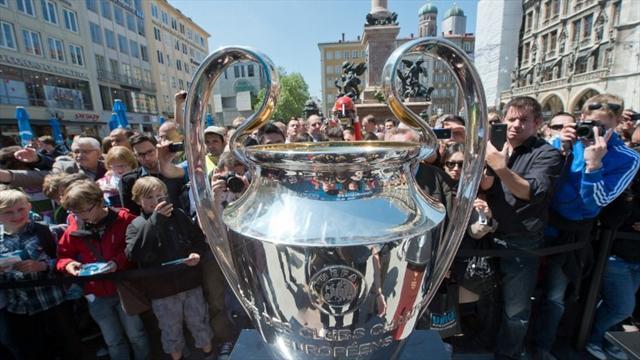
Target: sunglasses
{"points": [[597, 105], [452, 164], [556, 127]]}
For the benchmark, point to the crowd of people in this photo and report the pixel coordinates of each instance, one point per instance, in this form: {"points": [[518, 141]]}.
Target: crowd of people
{"points": [[123, 202]]}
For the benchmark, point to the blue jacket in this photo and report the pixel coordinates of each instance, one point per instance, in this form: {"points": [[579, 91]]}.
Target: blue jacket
{"points": [[580, 195]]}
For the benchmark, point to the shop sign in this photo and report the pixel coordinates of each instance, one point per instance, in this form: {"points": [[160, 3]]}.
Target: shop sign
{"points": [[87, 117], [41, 67]]}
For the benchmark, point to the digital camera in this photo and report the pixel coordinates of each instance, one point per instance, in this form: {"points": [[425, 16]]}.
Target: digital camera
{"points": [[584, 129]]}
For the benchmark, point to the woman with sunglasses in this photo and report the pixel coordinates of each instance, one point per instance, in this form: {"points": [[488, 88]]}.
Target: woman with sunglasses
{"points": [[475, 274]]}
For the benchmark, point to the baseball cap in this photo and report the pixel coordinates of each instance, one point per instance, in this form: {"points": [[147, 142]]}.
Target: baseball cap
{"points": [[218, 130]]}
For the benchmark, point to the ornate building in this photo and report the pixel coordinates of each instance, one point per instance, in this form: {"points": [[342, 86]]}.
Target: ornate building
{"points": [[570, 50]]}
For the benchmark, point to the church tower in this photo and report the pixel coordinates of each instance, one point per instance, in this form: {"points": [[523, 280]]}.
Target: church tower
{"points": [[427, 25]]}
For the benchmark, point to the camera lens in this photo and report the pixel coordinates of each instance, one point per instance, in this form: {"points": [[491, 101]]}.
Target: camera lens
{"points": [[235, 184], [584, 131]]}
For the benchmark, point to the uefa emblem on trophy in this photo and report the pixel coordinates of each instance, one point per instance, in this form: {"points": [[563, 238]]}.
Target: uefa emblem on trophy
{"points": [[325, 276]]}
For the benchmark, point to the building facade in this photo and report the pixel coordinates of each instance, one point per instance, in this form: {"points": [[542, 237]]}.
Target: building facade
{"points": [[71, 60], [119, 52], [46, 66], [235, 92], [332, 56], [496, 45], [177, 47], [570, 50]]}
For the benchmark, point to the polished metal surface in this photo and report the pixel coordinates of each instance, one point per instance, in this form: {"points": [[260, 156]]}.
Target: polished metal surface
{"points": [[333, 250]]}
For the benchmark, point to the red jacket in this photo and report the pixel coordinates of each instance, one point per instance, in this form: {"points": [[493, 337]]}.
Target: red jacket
{"points": [[111, 245]]}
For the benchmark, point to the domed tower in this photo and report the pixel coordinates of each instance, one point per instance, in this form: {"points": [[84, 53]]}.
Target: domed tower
{"points": [[427, 25], [454, 22]]}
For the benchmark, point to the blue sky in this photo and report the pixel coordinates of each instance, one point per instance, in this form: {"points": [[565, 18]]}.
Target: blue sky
{"points": [[288, 31]]}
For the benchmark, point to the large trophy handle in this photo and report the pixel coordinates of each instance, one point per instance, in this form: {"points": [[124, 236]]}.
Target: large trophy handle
{"points": [[204, 79], [471, 90]]}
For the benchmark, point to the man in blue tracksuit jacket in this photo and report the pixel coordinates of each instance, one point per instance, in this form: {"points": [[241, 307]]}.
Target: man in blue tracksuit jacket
{"points": [[596, 172]]}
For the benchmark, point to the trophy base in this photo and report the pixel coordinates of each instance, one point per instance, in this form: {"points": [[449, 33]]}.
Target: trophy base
{"points": [[251, 347]]}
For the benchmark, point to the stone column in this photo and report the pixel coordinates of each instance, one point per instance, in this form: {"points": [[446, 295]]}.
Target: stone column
{"points": [[379, 42]]}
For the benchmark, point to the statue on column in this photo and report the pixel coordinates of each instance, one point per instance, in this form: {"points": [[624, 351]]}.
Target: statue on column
{"points": [[348, 82], [380, 15], [410, 77]]}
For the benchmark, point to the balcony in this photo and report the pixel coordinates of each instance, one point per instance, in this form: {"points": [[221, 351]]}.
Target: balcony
{"points": [[590, 76], [551, 84], [122, 79], [524, 90]]}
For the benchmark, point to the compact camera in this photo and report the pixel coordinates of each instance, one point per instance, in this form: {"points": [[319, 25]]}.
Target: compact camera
{"points": [[584, 129]]}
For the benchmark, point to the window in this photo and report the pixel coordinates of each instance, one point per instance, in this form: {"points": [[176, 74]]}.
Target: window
{"points": [[7, 39], [544, 43], [179, 65], [76, 55], [338, 54], [236, 71], [184, 48], [110, 39], [329, 70], [529, 21], [186, 68], [189, 34], [346, 54], [4, 3], [105, 9], [49, 11], [154, 10], [168, 60], [173, 82], [174, 23], [181, 28], [140, 23], [135, 50], [180, 84], [32, 42], [101, 63], [26, 7], [92, 5], [354, 54], [177, 45], [576, 31], [165, 18], [328, 55], [156, 33], [115, 69], [250, 71], [56, 49], [552, 42], [118, 14], [143, 53], [587, 24], [126, 71], [96, 34], [131, 22], [70, 20], [160, 57], [137, 73], [123, 45]]}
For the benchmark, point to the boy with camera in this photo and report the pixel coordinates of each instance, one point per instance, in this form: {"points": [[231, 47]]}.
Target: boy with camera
{"points": [[160, 236]]}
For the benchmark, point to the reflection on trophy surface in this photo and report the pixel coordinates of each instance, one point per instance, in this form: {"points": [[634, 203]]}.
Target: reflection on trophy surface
{"points": [[334, 251]]}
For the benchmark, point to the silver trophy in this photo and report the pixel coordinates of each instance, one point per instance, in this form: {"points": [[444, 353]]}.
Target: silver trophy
{"points": [[334, 251]]}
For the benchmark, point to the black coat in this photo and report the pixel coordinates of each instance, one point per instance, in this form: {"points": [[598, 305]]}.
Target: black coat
{"points": [[156, 239]]}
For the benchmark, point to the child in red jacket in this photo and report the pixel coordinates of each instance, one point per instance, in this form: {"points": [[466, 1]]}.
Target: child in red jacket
{"points": [[102, 240]]}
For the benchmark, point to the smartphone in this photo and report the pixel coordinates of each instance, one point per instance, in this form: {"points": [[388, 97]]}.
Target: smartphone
{"points": [[442, 133], [498, 135], [176, 147]]}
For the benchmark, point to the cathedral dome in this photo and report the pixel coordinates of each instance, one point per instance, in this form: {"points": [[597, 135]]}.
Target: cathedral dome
{"points": [[454, 11], [428, 8]]}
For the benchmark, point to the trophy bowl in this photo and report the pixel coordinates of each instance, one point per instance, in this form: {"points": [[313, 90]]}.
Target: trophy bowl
{"points": [[333, 250]]}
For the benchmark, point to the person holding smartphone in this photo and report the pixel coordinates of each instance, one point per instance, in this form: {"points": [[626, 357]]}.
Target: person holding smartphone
{"points": [[518, 193], [163, 235]]}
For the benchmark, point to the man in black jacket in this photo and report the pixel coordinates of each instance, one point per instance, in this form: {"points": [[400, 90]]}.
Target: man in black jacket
{"points": [[155, 160], [518, 195]]}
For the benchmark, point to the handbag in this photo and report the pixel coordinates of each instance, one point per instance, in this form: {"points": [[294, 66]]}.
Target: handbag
{"points": [[133, 299], [444, 314]]}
